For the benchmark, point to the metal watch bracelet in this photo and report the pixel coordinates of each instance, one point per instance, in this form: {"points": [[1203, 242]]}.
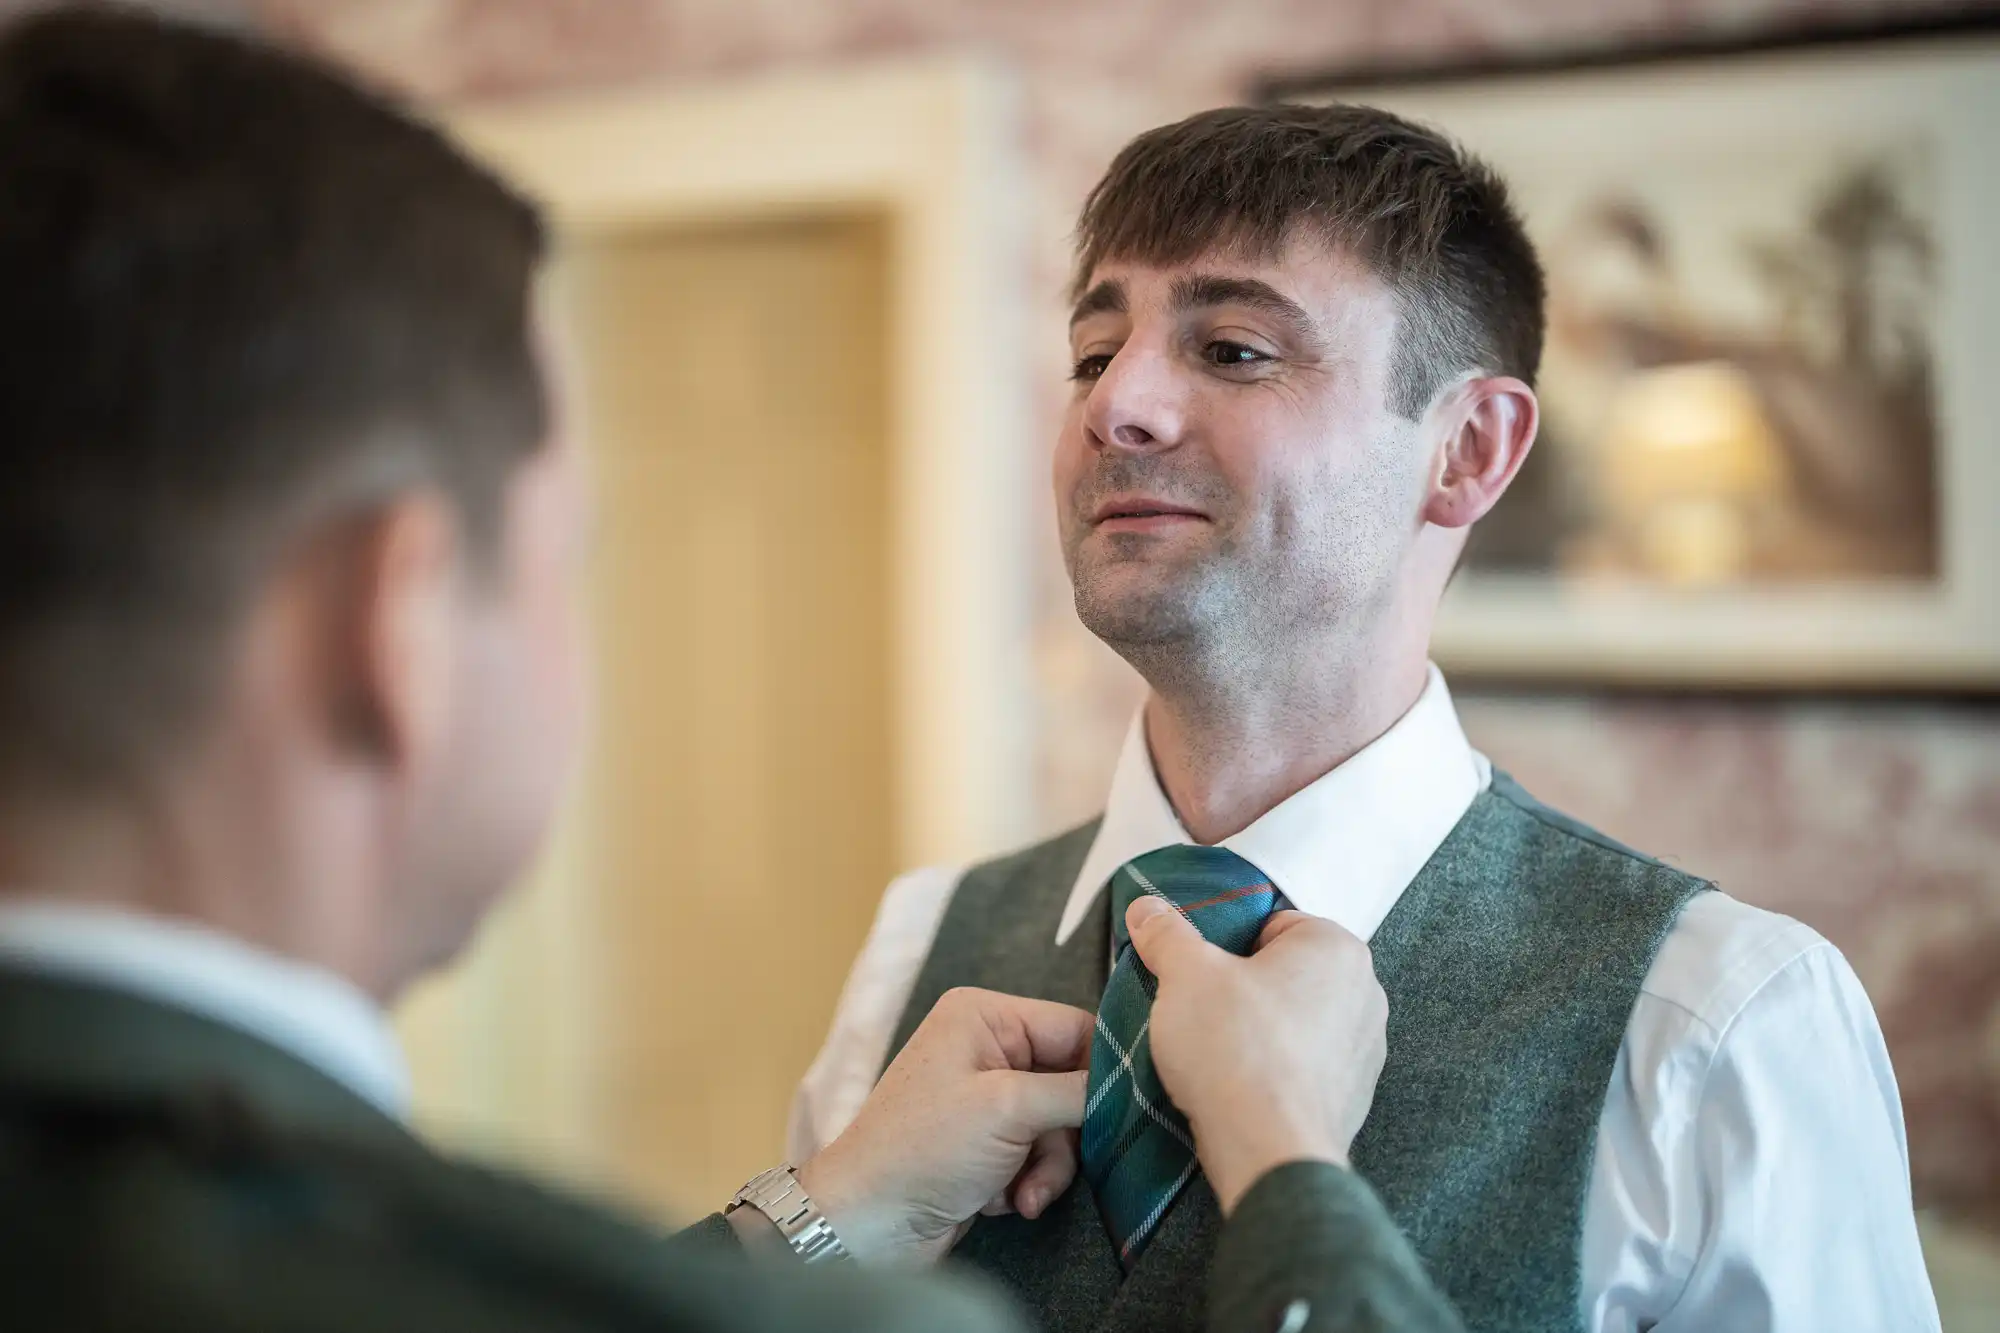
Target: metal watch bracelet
{"points": [[778, 1195]]}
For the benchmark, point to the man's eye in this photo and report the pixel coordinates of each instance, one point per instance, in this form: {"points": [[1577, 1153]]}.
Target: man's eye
{"points": [[1224, 353], [1089, 369]]}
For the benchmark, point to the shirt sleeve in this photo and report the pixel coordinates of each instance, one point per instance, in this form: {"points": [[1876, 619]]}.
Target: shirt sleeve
{"points": [[1752, 1168], [864, 1020]]}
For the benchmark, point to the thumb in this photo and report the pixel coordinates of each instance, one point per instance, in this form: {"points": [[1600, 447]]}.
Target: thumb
{"points": [[1166, 941], [1281, 924]]}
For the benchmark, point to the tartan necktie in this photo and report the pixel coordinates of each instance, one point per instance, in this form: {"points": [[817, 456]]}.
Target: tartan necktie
{"points": [[1138, 1151]]}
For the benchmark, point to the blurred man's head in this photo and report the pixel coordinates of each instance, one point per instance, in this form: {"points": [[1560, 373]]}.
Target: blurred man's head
{"points": [[284, 529], [1304, 342]]}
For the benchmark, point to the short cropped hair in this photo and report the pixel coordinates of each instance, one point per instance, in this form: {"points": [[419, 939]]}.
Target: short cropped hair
{"points": [[240, 299], [1431, 220]]}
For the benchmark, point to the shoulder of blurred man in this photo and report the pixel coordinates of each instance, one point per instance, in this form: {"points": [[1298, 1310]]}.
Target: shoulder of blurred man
{"points": [[159, 1170]]}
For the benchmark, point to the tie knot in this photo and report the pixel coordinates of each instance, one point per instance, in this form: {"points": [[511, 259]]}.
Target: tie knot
{"points": [[1226, 897]]}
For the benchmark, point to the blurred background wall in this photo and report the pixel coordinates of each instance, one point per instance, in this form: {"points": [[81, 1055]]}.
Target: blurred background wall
{"points": [[1876, 821]]}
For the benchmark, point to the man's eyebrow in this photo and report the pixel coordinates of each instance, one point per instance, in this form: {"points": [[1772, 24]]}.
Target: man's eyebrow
{"points": [[1198, 290], [1106, 298]]}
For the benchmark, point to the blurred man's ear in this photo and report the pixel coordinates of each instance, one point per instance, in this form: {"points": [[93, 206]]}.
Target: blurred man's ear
{"points": [[1487, 426], [398, 640]]}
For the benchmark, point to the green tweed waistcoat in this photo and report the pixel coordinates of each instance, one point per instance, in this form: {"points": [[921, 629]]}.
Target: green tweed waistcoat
{"points": [[1511, 964]]}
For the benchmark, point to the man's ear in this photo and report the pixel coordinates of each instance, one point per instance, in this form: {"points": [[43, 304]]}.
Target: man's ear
{"points": [[1488, 425], [402, 628]]}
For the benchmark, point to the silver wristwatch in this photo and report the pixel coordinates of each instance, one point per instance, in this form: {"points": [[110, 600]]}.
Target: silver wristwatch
{"points": [[778, 1195]]}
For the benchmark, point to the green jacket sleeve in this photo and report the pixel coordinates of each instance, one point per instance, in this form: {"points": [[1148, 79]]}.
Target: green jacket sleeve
{"points": [[711, 1230], [1310, 1249]]}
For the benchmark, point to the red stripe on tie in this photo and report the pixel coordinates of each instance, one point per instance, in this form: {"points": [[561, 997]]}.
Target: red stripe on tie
{"points": [[1230, 896]]}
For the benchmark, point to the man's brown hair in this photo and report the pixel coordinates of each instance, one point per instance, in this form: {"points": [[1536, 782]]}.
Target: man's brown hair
{"points": [[240, 301], [1430, 219]]}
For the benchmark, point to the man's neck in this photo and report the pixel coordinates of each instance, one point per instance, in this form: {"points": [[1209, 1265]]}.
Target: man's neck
{"points": [[1230, 752], [189, 864]]}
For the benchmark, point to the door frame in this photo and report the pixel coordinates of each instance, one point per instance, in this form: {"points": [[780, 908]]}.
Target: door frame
{"points": [[925, 146]]}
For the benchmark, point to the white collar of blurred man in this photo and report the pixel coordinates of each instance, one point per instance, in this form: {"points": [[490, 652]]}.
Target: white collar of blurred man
{"points": [[318, 1017]]}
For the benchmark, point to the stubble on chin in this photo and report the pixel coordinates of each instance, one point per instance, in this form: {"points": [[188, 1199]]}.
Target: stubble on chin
{"points": [[1146, 609]]}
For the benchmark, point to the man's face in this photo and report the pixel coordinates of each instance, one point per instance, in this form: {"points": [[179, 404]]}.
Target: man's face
{"points": [[1229, 470], [520, 691]]}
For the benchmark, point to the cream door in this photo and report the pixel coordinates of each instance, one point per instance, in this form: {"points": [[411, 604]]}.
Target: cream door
{"points": [[735, 826]]}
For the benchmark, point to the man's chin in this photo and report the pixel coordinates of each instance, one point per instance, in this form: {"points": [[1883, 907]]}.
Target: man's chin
{"points": [[1131, 612], [434, 940]]}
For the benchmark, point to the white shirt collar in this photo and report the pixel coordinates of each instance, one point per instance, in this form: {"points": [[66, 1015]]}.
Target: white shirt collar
{"points": [[1343, 848], [306, 1011]]}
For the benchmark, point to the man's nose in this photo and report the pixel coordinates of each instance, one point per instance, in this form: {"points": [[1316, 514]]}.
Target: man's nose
{"points": [[1137, 404]]}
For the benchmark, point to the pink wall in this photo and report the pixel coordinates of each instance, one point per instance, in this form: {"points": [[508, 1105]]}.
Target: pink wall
{"points": [[1877, 823]]}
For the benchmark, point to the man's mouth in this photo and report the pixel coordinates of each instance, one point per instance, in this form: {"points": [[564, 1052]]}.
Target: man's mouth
{"points": [[1135, 513]]}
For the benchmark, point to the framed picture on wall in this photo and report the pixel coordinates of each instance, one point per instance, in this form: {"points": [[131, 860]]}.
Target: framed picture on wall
{"points": [[1770, 450]]}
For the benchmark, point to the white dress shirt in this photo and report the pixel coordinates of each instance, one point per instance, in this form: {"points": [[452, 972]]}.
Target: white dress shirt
{"points": [[306, 1011], [1751, 1170]]}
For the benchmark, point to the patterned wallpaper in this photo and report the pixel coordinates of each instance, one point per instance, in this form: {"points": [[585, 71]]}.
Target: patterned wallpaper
{"points": [[1878, 823]]}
